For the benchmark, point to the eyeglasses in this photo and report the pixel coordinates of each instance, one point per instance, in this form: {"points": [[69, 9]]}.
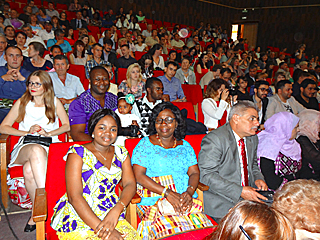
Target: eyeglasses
{"points": [[167, 120], [264, 89], [244, 232], [35, 84]]}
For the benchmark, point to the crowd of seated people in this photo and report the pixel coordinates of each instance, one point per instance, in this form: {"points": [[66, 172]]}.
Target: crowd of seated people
{"points": [[245, 91]]}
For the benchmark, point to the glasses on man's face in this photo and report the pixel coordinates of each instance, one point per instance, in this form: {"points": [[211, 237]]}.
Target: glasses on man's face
{"points": [[167, 120], [264, 89], [35, 84], [244, 232]]}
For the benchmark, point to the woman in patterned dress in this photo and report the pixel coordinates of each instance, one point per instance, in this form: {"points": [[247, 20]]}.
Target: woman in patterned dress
{"points": [[90, 209]]}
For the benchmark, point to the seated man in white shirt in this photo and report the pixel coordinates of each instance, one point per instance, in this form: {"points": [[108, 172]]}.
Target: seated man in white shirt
{"points": [[47, 32], [66, 86], [31, 38]]}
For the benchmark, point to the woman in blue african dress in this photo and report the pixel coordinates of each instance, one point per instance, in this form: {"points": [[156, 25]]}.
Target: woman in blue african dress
{"points": [[90, 209]]}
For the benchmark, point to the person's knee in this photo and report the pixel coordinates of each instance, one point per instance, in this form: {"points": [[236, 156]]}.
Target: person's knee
{"points": [[38, 152]]}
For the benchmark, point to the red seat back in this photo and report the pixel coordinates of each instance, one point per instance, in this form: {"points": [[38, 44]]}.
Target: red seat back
{"points": [[80, 72], [55, 181], [122, 75], [158, 73], [199, 76], [188, 106], [193, 93], [138, 55]]}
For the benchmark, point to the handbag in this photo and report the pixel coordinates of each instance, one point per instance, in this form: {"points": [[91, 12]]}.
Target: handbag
{"points": [[45, 141]]}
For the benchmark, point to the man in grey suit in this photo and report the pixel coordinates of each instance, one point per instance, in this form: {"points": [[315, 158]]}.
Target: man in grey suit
{"points": [[228, 162]]}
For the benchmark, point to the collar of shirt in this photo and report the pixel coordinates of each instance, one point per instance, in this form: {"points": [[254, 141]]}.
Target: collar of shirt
{"points": [[150, 104]]}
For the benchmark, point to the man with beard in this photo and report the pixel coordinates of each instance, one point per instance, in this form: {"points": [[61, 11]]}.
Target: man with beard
{"points": [[282, 100], [97, 97], [307, 98], [261, 90], [108, 55], [143, 107]]}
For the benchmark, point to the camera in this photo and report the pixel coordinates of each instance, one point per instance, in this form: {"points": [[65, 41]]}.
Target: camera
{"points": [[131, 131], [232, 91]]}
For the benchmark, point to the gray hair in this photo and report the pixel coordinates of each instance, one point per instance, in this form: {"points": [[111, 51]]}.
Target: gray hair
{"points": [[2, 35], [240, 108], [60, 57]]}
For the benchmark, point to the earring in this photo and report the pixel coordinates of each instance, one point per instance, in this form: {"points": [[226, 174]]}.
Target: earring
{"points": [[92, 135]]}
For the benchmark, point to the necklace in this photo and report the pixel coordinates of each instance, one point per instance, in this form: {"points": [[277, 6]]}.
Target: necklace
{"points": [[99, 152], [160, 142]]}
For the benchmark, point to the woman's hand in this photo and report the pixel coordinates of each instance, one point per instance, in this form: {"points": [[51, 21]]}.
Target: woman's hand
{"points": [[115, 235], [107, 225], [225, 94], [34, 129], [174, 199], [186, 202], [42, 132]]}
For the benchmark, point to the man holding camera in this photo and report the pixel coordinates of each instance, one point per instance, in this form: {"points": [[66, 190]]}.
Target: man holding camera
{"points": [[88, 102]]}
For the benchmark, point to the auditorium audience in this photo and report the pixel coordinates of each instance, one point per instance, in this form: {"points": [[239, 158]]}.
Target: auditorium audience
{"points": [[133, 83], [38, 112], [146, 65], [224, 158], [42, 17], [300, 77], [35, 61], [307, 98], [66, 86], [46, 33], [299, 202], [78, 22], [34, 24], [254, 220], [13, 20], [79, 56], [279, 154], [184, 74], [59, 40], [283, 101], [74, 6], [126, 60], [277, 78], [51, 12], [309, 140], [10, 35], [96, 59], [251, 75], [54, 51], [31, 37], [21, 39], [88, 102], [63, 21], [12, 77]]}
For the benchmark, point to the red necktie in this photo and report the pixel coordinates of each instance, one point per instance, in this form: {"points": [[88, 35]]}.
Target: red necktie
{"points": [[244, 162]]}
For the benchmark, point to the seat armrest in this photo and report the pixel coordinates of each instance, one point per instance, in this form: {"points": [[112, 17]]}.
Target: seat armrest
{"points": [[3, 138], [40, 206], [203, 187]]}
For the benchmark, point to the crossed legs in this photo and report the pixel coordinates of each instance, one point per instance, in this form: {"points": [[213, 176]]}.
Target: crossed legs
{"points": [[33, 157]]}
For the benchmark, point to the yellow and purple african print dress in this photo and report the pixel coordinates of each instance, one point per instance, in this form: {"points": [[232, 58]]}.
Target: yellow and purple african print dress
{"points": [[99, 185]]}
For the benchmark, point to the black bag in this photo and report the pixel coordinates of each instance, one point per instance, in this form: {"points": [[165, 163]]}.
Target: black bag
{"points": [[45, 141]]}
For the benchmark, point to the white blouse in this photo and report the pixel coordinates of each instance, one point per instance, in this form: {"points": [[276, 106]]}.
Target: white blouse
{"points": [[212, 113]]}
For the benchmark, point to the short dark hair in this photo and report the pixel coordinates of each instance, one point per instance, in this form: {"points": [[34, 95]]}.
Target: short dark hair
{"points": [[171, 63], [98, 68], [98, 115], [150, 82], [22, 33], [216, 67], [223, 70], [281, 64], [56, 46], [186, 58], [107, 41], [57, 32], [306, 82], [61, 57], [180, 131], [185, 47], [96, 44], [125, 45], [14, 47], [257, 84], [252, 66], [281, 84], [9, 26]]}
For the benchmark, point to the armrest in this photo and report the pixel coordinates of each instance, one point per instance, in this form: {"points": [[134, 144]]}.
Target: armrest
{"points": [[203, 187], [4, 138], [40, 206]]}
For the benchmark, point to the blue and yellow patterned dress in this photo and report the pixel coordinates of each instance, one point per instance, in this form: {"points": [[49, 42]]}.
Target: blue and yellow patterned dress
{"points": [[99, 185]]}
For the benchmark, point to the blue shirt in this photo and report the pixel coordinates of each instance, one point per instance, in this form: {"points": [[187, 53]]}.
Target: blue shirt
{"points": [[172, 88], [3, 62], [66, 47], [15, 89], [29, 66]]}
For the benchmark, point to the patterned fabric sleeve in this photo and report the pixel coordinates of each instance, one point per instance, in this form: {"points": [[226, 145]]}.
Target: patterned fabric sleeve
{"points": [[123, 87], [121, 153], [78, 149]]}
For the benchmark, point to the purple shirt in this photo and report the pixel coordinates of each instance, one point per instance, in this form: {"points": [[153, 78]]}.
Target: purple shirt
{"points": [[85, 105]]}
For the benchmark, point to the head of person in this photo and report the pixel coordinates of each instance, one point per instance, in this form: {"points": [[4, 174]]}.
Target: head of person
{"points": [[253, 70], [278, 77], [154, 88], [299, 201], [203, 59], [185, 64], [172, 55], [99, 80], [78, 50], [154, 33], [263, 57], [125, 103], [184, 51], [196, 39], [133, 74], [31, 3], [261, 89], [63, 15], [170, 69], [103, 126], [303, 65], [13, 56], [284, 89], [261, 76], [27, 30], [48, 25], [302, 75], [58, 34], [242, 83], [216, 71], [50, 6], [6, 6], [96, 50], [235, 62], [225, 74], [317, 69], [84, 38], [21, 38], [42, 11], [61, 65], [283, 65], [308, 88], [215, 88], [176, 37], [149, 27], [83, 31], [36, 49], [125, 50], [3, 43], [166, 121], [33, 19], [2, 18], [9, 31], [156, 50], [258, 221], [244, 118], [79, 15], [309, 124], [39, 83], [14, 14], [146, 62], [55, 21]]}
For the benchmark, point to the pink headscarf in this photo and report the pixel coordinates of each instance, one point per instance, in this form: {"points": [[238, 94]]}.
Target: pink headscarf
{"points": [[309, 124], [275, 137]]}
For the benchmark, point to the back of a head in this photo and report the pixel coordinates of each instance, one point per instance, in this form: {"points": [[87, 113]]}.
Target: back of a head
{"points": [[299, 201], [258, 220]]}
